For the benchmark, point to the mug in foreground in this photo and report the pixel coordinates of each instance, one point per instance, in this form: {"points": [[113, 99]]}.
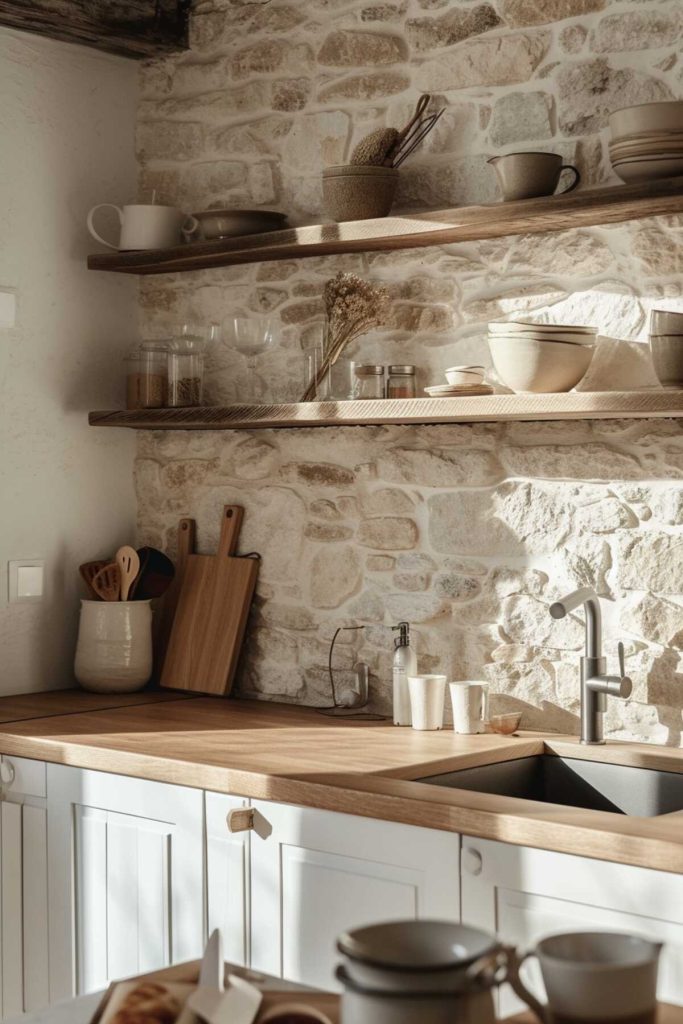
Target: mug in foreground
{"points": [[527, 175], [594, 977]]}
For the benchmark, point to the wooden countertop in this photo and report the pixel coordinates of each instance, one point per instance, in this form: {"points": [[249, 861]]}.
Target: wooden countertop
{"points": [[294, 755], [72, 702]]}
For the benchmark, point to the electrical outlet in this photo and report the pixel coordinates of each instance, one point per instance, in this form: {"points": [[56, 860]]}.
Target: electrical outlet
{"points": [[26, 580]]}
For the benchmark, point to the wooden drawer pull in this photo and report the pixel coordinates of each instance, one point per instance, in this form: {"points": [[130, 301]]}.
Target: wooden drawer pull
{"points": [[7, 772], [240, 820]]}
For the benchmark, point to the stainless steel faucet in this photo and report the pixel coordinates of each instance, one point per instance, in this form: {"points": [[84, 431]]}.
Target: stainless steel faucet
{"points": [[596, 685]]}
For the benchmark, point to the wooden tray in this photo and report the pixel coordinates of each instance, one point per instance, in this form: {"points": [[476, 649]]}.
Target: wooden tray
{"points": [[275, 990]]}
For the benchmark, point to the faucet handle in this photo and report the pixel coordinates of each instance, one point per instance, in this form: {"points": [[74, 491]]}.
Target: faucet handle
{"points": [[622, 659]]}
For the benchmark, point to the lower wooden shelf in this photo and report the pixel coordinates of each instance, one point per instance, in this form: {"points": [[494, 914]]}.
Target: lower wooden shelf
{"points": [[575, 405]]}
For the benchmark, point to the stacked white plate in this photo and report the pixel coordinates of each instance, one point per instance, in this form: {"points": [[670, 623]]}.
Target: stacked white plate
{"points": [[647, 141], [541, 358]]}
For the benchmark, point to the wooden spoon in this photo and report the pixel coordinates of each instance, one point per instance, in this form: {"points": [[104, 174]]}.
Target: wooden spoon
{"points": [[129, 566], [89, 571], [107, 582]]}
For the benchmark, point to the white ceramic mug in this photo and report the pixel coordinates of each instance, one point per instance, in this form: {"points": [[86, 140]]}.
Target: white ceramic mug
{"points": [[592, 977], [145, 226], [426, 701], [114, 650], [470, 702]]}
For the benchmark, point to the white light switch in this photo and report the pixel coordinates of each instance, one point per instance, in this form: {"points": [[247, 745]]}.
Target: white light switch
{"points": [[8, 308], [26, 580]]}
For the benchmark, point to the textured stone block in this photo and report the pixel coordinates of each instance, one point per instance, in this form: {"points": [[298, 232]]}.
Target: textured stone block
{"points": [[503, 60], [520, 116], [651, 561], [452, 27], [368, 86], [540, 12], [636, 30], [334, 576], [348, 48], [391, 533]]}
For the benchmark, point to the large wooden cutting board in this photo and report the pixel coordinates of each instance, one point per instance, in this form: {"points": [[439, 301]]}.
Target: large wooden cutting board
{"points": [[211, 616]]}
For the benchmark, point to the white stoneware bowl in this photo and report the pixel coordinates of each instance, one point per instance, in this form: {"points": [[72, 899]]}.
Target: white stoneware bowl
{"points": [[465, 374], [567, 339], [664, 321], [526, 327], [528, 365], [653, 118], [412, 956]]}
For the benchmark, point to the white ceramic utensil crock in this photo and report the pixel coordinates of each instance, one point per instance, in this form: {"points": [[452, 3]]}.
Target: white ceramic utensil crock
{"points": [[114, 650]]}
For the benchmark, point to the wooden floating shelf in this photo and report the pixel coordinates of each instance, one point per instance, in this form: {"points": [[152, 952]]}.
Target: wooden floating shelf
{"points": [[572, 406], [606, 205]]}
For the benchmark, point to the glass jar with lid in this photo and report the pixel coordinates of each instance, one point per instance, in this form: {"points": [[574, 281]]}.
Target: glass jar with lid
{"points": [[401, 382], [369, 381], [153, 357], [185, 371]]}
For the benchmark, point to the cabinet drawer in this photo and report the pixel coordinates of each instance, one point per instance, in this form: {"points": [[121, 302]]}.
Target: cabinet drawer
{"points": [[23, 776]]}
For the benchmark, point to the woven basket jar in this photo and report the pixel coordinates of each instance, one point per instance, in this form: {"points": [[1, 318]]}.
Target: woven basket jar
{"points": [[358, 191]]}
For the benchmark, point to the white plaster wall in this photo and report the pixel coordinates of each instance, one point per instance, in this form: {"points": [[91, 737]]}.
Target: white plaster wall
{"points": [[67, 116]]}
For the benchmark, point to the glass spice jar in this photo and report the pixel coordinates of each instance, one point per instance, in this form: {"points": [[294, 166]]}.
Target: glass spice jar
{"points": [[185, 372], [153, 388], [401, 382], [369, 381]]}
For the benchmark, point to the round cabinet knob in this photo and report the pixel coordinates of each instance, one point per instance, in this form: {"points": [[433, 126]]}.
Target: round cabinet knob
{"points": [[472, 861], [7, 772]]}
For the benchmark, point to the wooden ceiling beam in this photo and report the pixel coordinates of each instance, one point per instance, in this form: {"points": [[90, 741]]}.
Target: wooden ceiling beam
{"points": [[129, 28]]}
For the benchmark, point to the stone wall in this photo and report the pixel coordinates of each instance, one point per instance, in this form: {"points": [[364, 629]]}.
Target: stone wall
{"points": [[469, 532]]}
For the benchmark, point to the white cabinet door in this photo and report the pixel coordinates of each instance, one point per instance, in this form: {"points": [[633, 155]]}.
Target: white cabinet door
{"points": [[227, 877], [522, 894], [126, 870], [316, 873], [23, 887]]}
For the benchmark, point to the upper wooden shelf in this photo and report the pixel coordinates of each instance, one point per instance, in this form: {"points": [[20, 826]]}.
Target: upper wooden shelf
{"points": [[605, 205], [571, 406]]}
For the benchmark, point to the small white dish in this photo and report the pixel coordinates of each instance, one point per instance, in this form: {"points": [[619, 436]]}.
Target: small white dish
{"points": [[455, 390], [649, 169], [465, 374]]}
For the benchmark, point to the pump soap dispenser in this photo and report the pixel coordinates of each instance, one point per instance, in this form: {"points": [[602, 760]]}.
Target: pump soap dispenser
{"points": [[405, 664]]}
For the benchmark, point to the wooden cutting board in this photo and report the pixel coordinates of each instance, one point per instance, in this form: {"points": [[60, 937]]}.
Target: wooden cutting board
{"points": [[211, 616], [168, 605]]}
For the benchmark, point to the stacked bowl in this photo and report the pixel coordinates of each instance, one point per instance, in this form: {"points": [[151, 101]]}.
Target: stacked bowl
{"points": [[666, 346], [647, 141], [541, 358]]}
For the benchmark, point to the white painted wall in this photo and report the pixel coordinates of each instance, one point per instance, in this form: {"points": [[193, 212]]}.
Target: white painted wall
{"points": [[67, 120]]}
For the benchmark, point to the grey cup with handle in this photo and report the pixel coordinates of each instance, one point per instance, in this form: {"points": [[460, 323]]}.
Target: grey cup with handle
{"points": [[592, 977]]}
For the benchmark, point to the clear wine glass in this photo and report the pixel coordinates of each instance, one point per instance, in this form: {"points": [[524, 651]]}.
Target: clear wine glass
{"points": [[251, 337]]}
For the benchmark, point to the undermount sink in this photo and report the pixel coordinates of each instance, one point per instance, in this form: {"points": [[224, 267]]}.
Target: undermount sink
{"points": [[594, 785]]}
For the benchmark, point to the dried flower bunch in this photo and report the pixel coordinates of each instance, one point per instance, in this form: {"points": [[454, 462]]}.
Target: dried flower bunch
{"points": [[353, 307]]}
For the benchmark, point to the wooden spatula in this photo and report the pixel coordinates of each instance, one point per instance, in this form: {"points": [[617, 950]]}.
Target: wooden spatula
{"points": [[107, 582], [129, 566], [89, 571]]}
